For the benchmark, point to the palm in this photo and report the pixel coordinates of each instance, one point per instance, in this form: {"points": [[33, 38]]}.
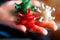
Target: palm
{"points": [[7, 10]]}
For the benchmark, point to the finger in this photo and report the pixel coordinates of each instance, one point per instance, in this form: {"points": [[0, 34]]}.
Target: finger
{"points": [[52, 25], [48, 24], [40, 30], [22, 28], [18, 27], [12, 24]]}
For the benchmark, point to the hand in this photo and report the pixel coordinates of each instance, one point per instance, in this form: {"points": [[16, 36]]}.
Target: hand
{"points": [[8, 18]]}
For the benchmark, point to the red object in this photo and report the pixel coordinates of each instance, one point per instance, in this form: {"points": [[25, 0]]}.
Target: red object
{"points": [[26, 19]]}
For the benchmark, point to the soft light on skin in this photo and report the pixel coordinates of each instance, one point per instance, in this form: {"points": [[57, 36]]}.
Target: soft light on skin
{"points": [[22, 28], [39, 30]]}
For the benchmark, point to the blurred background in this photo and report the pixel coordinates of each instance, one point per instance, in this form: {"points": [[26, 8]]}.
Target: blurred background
{"points": [[55, 3]]}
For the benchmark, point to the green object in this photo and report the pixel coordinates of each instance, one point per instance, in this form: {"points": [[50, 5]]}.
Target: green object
{"points": [[23, 6]]}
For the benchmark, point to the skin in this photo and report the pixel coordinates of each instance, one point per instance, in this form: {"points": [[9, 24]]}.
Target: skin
{"points": [[7, 17]]}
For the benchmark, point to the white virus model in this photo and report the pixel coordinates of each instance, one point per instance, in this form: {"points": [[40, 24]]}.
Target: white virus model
{"points": [[46, 11]]}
